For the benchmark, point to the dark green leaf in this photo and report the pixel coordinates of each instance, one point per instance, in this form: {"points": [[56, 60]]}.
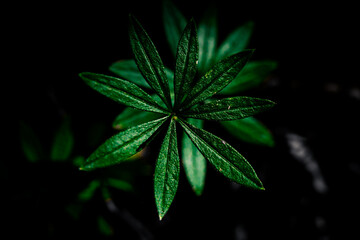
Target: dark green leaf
{"points": [[193, 161], [174, 24], [236, 42], [207, 34], [89, 191], [250, 130], [186, 62], [224, 157], [120, 184], [230, 108], [104, 227], [30, 143], [167, 171], [63, 142], [123, 145], [217, 78], [122, 91], [251, 76], [127, 69], [148, 61], [131, 117]]}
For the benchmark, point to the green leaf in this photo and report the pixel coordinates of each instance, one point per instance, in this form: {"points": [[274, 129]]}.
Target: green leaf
{"points": [[224, 157], [174, 24], [250, 130], [148, 61], [167, 171], [30, 143], [186, 62], [253, 74], [207, 34], [193, 161], [89, 191], [127, 69], [122, 91], [230, 108], [131, 117], [236, 42], [217, 78], [123, 145], [120, 184], [104, 227], [63, 142]]}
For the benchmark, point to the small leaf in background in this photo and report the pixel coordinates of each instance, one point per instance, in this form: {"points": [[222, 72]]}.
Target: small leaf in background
{"points": [[122, 91], [250, 130], [30, 143], [174, 24], [89, 191], [230, 108], [224, 157], [127, 69], [167, 171], [217, 78], [193, 161], [123, 145], [120, 184], [104, 227], [148, 61], [237, 41], [207, 35], [253, 74], [186, 62], [63, 142], [131, 117]]}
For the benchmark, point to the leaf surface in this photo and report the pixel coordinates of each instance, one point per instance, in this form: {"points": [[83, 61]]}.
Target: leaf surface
{"points": [[148, 61], [63, 142], [224, 157], [230, 108], [131, 117], [250, 130], [253, 74], [193, 161], [174, 24], [207, 34], [186, 62], [236, 42], [122, 91], [167, 171], [217, 78], [30, 143], [123, 145]]}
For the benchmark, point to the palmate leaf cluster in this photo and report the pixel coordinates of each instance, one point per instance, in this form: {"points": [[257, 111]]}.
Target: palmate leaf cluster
{"points": [[180, 101]]}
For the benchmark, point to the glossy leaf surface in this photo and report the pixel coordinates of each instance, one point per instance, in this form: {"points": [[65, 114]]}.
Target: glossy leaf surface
{"points": [[230, 108], [207, 34], [193, 161], [186, 62], [217, 78], [236, 42], [167, 171], [224, 157], [253, 74], [149, 61], [122, 91], [250, 130], [174, 24], [123, 145]]}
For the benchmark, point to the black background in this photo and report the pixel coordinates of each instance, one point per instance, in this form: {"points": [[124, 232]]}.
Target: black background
{"points": [[317, 95]]}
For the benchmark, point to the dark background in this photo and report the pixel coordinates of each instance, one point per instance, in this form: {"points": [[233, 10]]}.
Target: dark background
{"points": [[318, 99]]}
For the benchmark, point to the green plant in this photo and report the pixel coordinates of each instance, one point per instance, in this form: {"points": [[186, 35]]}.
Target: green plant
{"points": [[188, 98], [247, 129]]}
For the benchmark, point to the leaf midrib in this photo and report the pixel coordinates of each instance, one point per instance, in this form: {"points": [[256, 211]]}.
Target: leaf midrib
{"points": [[220, 155], [222, 110]]}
